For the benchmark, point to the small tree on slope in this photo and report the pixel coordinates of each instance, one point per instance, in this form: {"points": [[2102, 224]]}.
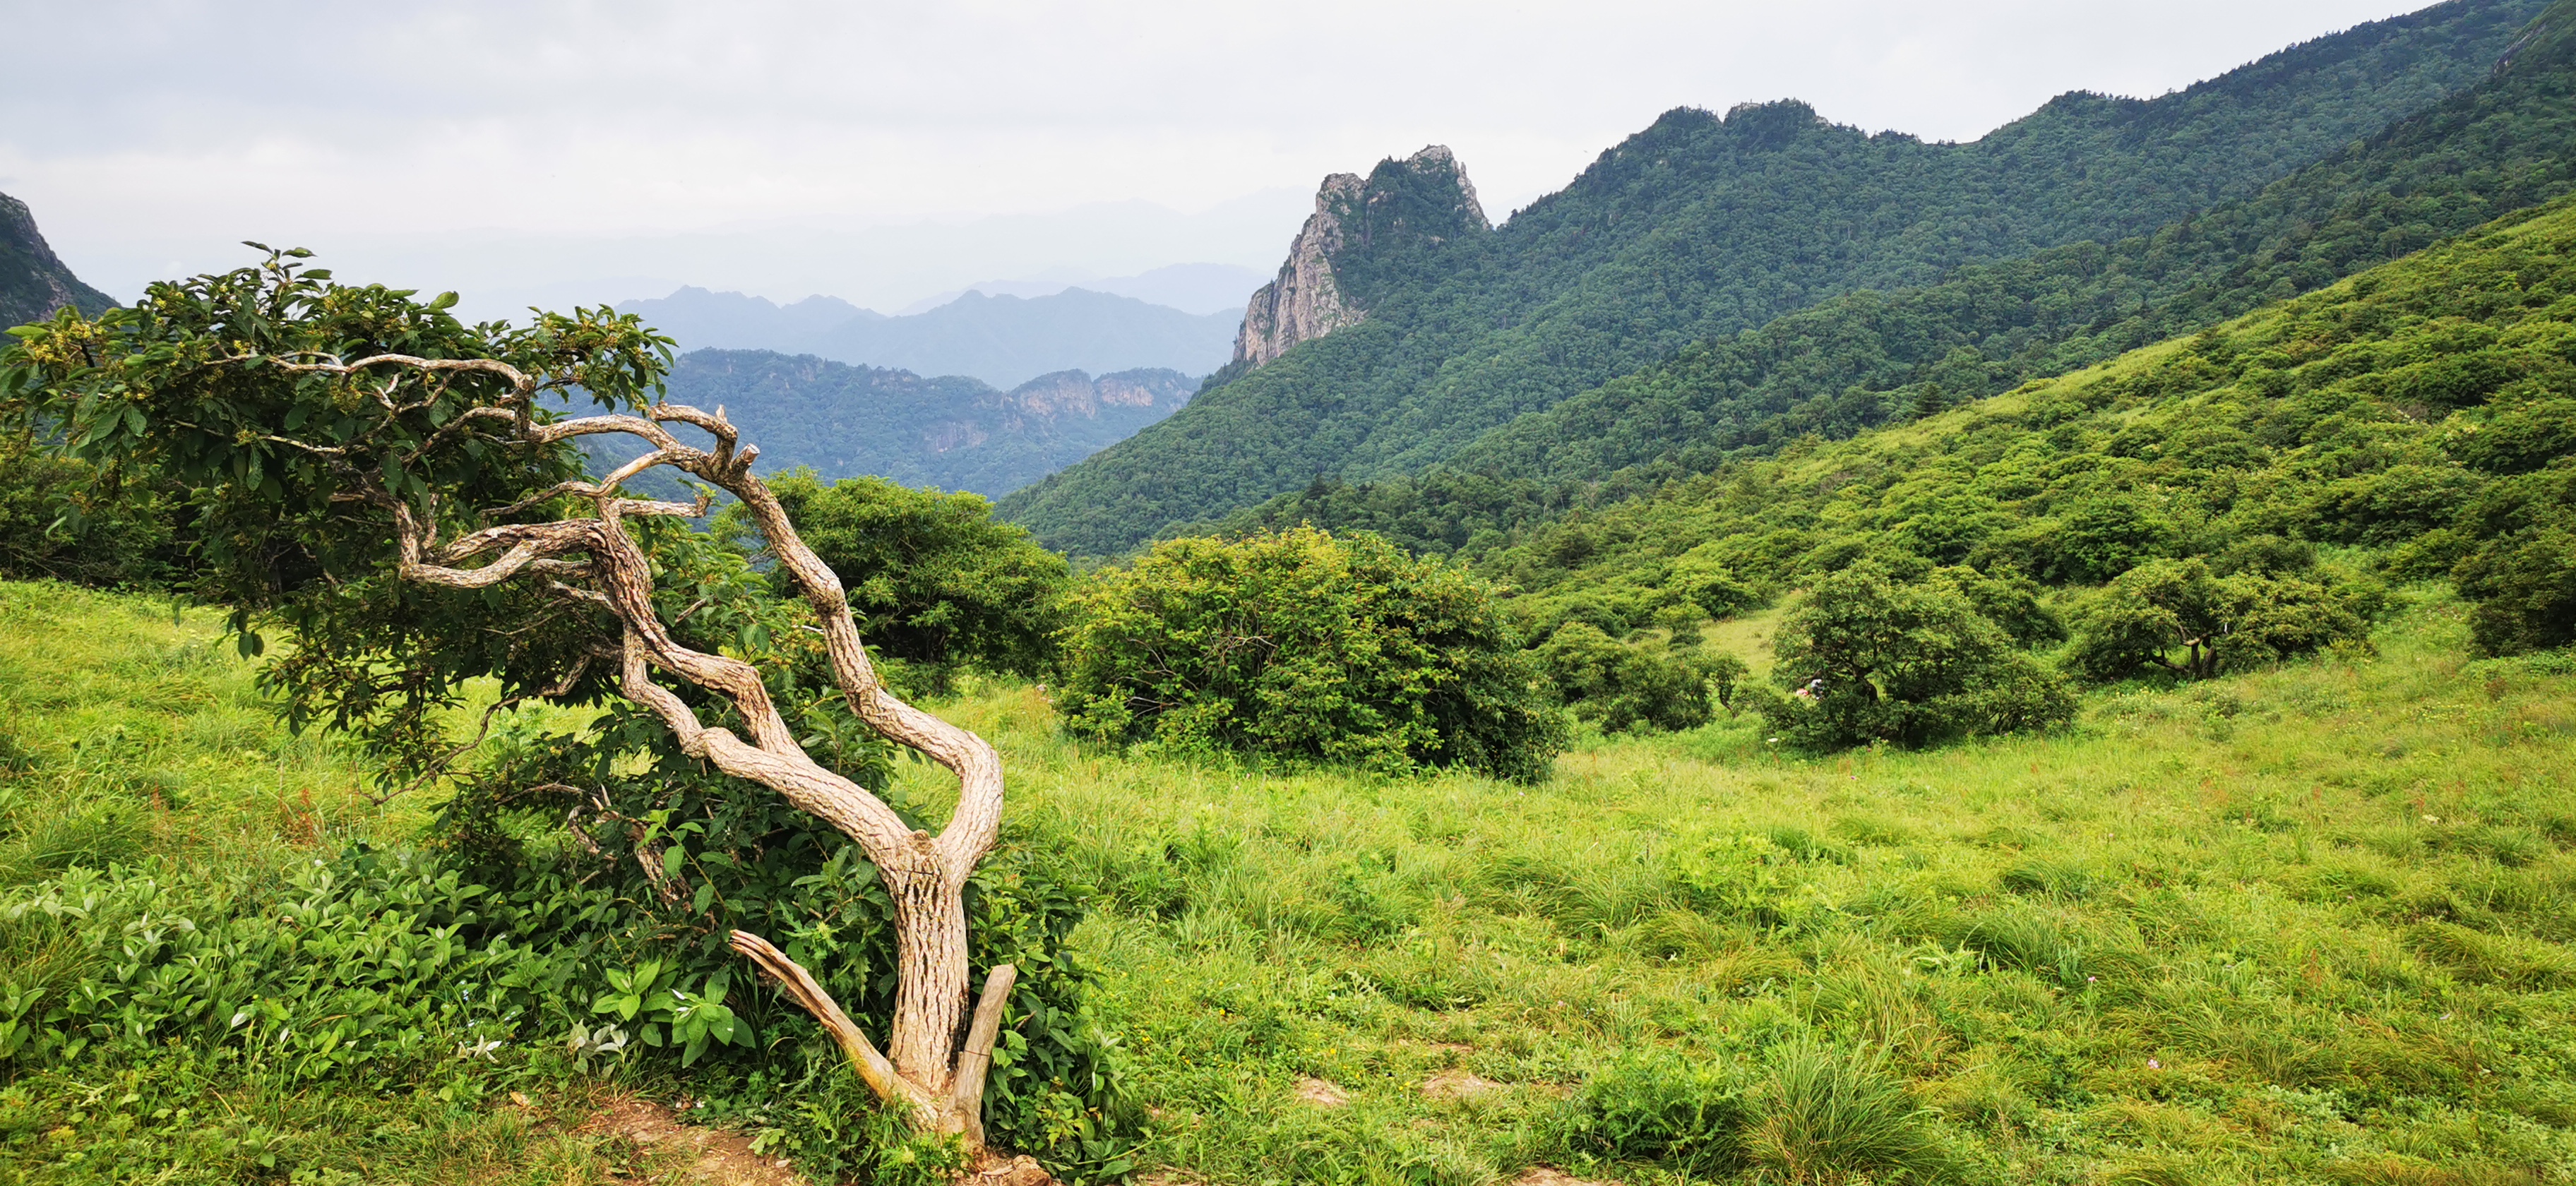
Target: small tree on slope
{"points": [[389, 484]]}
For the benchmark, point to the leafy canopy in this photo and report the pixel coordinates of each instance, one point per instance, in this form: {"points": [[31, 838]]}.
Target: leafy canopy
{"points": [[2178, 616], [1309, 647], [297, 477], [933, 578], [609, 864], [1899, 653]]}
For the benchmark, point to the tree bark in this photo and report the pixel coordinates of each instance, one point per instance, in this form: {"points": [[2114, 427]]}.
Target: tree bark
{"points": [[597, 561]]}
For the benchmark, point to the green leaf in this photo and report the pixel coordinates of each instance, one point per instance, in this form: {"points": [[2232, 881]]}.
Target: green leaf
{"points": [[674, 860]]}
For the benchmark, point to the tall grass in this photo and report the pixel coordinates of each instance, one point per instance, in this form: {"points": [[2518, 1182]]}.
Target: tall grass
{"points": [[2307, 924], [2303, 924]]}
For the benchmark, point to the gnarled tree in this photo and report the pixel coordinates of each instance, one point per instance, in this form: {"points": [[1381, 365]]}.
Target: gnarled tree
{"points": [[405, 494]]}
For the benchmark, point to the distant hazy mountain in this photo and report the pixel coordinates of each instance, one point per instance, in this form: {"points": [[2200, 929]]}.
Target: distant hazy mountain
{"points": [[1190, 288], [33, 283], [952, 432], [1002, 340]]}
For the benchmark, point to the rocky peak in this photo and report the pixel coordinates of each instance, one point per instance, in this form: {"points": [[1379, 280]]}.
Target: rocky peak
{"points": [[1422, 201], [33, 281]]}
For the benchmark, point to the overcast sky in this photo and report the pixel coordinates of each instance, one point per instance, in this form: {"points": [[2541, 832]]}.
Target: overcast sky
{"points": [[598, 151]]}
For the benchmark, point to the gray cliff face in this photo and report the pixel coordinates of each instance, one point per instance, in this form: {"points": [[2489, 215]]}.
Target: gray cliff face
{"points": [[33, 281], [1308, 300], [1041, 404], [1305, 302]]}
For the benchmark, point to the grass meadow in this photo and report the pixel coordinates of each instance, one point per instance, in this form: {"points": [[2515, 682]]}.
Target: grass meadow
{"points": [[2306, 925]]}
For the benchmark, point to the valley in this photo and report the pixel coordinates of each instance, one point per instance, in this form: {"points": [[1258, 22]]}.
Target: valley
{"points": [[1805, 657]]}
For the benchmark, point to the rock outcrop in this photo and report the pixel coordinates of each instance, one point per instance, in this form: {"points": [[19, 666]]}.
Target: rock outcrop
{"points": [[1423, 200], [33, 282]]}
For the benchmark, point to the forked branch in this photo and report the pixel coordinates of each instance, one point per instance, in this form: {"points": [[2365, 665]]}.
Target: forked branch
{"points": [[595, 559]]}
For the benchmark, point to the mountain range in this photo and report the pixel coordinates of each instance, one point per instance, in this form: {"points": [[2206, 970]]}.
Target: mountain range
{"points": [[1000, 340], [1425, 328], [1190, 288], [953, 432]]}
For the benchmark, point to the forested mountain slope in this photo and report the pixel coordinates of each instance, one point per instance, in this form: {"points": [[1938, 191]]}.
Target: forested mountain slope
{"points": [[952, 431], [1701, 226], [33, 281], [1867, 358], [2419, 414]]}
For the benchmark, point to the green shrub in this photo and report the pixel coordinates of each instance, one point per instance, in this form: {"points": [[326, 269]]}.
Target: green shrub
{"points": [[2521, 571], [1625, 686], [934, 580], [758, 864], [2179, 617], [59, 519], [1809, 1113], [1874, 656], [1302, 646], [2095, 539], [1660, 1106]]}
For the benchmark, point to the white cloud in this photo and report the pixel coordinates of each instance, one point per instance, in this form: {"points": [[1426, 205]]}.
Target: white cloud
{"points": [[148, 135]]}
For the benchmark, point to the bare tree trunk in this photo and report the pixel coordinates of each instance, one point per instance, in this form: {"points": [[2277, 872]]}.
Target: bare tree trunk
{"points": [[937, 1068], [930, 958]]}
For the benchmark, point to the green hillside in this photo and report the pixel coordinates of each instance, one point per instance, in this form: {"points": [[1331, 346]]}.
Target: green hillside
{"points": [[2303, 925], [1870, 358], [2413, 422], [1701, 226], [2019, 704], [2305, 919]]}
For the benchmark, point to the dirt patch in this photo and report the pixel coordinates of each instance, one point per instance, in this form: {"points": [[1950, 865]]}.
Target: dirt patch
{"points": [[1456, 1083], [1322, 1094], [1539, 1175], [997, 1170], [716, 1156]]}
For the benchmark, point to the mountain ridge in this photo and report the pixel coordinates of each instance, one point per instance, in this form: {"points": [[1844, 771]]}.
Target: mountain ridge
{"points": [[1862, 359], [1700, 226]]}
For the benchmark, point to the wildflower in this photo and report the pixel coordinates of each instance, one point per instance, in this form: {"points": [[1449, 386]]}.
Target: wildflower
{"points": [[2153, 1065]]}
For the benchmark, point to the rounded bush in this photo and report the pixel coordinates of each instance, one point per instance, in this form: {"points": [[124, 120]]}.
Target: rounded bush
{"points": [[1301, 645]]}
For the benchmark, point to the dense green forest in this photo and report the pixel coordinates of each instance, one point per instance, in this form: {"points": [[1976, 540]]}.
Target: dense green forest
{"points": [[1870, 357], [1701, 226]]}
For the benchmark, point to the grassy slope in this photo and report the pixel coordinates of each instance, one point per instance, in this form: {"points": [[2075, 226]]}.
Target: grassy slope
{"points": [[2328, 900], [127, 736]]}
